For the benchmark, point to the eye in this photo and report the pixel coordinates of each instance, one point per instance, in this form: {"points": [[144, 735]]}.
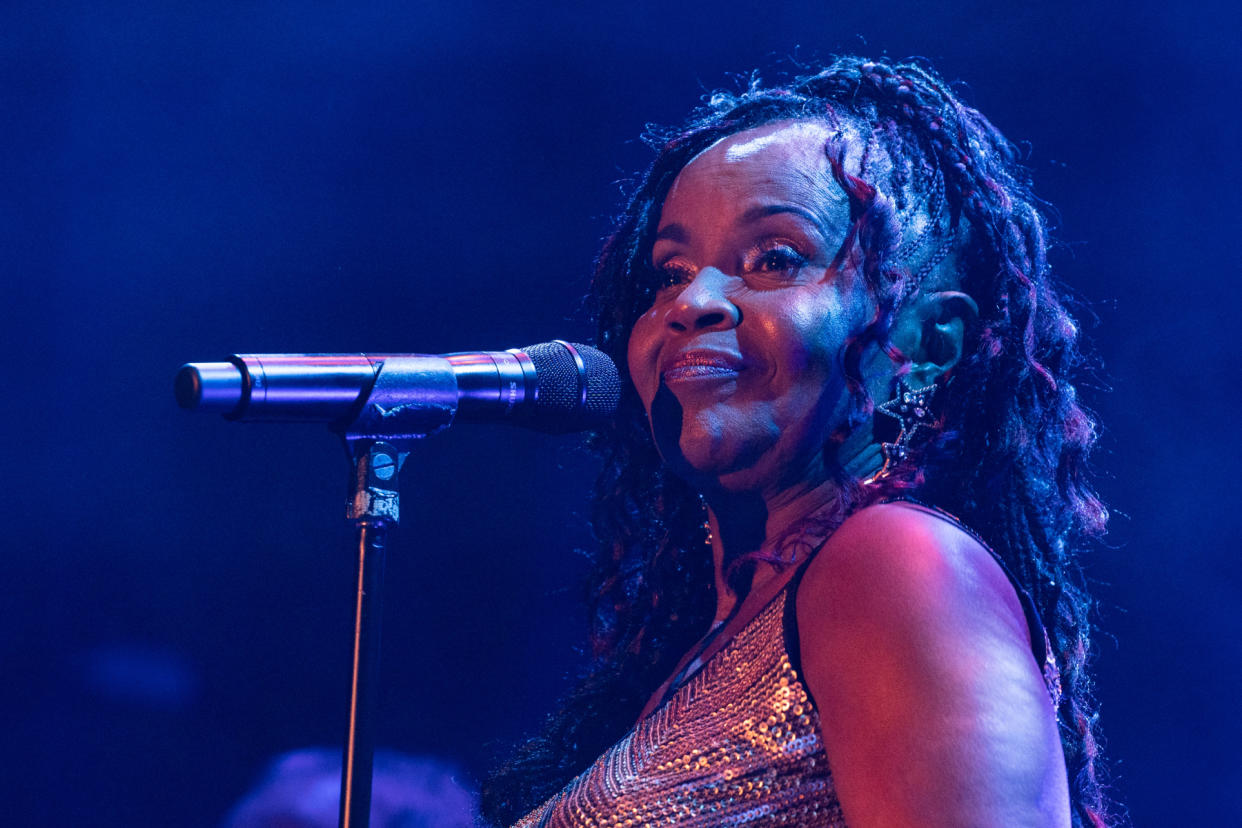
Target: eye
{"points": [[775, 258], [672, 273]]}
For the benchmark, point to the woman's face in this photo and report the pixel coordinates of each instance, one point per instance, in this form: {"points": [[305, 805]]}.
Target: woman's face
{"points": [[736, 361]]}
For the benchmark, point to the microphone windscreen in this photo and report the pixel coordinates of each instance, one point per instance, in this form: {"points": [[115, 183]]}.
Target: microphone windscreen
{"points": [[603, 384], [568, 397]]}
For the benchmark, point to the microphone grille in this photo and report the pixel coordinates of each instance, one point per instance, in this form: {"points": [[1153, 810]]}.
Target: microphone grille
{"points": [[562, 401], [603, 383]]}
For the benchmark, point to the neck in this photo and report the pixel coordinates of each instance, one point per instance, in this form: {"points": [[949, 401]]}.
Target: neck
{"points": [[743, 522]]}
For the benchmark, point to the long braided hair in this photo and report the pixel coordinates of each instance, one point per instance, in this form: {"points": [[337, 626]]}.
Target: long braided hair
{"points": [[936, 189]]}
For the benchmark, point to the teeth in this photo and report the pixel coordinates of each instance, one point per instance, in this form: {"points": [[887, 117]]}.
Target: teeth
{"points": [[702, 369]]}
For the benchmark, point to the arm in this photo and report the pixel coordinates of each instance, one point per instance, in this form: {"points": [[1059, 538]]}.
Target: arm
{"points": [[916, 651]]}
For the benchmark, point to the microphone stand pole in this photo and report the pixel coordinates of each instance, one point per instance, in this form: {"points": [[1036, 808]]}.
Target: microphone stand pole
{"points": [[373, 508]]}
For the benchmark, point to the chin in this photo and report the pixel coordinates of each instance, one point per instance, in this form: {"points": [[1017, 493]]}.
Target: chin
{"points": [[717, 454], [707, 442]]}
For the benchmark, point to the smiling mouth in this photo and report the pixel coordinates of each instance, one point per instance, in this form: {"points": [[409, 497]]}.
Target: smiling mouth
{"points": [[700, 366]]}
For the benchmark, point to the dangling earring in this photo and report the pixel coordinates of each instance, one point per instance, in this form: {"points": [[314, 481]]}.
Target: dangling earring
{"points": [[707, 520], [911, 408]]}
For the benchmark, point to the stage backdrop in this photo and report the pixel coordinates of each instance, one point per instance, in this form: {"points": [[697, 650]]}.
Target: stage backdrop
{"points": [[183, 181]]}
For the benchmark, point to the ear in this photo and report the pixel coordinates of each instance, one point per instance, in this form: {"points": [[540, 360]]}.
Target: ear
{"points": [[934, 333]]}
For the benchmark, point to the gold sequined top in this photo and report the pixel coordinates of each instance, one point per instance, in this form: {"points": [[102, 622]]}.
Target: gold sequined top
{"points": [[737, 744]]}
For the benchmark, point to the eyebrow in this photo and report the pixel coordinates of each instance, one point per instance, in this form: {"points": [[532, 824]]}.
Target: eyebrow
{"points": [[677, 233], [760, 211], [672, 232]]}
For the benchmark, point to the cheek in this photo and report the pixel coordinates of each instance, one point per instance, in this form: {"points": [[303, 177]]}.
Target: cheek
{"points": [[807, 340], [641, 354], [816, 328]]}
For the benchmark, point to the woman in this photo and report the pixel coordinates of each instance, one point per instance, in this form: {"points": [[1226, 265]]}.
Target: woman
{"points": [[833, 305]]}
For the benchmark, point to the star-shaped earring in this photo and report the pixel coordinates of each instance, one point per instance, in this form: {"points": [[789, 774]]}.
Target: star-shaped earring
{"points": [[911, 408]]}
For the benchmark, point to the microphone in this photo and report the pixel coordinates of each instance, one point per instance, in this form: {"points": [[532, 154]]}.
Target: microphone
{"points": [[553, 386]]}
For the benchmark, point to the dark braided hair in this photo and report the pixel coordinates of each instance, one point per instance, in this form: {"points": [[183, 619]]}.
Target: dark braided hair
{"points": [[937, 198]]}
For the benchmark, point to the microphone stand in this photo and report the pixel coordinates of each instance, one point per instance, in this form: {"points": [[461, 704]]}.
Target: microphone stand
{"points": [[412, 396], [378, 442]]}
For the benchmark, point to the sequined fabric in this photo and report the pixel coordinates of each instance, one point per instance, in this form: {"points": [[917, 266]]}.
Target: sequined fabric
{"points": [[737, 744]]}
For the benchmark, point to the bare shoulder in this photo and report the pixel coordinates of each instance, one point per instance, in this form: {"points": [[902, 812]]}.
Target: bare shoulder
{"points": [[917, 653], [911, 561]]}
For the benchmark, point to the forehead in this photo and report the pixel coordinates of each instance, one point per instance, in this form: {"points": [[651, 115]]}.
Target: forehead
{"points": [[802, 141], [786, 160]]}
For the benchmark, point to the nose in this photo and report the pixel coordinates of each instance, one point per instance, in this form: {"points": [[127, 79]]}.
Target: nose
{"points": [[703, 304]]}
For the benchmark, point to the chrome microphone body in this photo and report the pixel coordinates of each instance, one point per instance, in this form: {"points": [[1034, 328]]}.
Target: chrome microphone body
{"points": [[553, 386]]}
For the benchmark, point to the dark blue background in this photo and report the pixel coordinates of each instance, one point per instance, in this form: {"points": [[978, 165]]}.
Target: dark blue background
{"points": [[183, 181]]}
